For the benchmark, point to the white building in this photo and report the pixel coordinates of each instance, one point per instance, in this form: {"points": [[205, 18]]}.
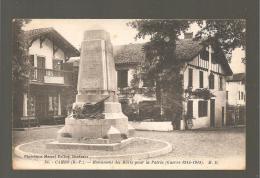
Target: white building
{"points": [[236, 93], [50, 80]]}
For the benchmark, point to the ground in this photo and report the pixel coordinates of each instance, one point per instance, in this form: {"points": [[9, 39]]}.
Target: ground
{"points": [[218, 144]]}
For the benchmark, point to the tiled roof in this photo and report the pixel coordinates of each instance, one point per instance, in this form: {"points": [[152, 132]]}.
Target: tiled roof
{"points": [[54, 35], [237, 77], [186, 49], [129, 54]]}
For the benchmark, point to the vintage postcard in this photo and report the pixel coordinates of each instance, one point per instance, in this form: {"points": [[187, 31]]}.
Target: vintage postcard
{"points": [[135, 94]]}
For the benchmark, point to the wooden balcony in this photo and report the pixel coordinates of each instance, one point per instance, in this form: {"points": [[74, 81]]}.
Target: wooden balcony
{"points": [[50, 76]]}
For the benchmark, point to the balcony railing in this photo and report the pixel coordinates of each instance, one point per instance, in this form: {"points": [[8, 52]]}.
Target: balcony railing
{"points": [[41, 75]]}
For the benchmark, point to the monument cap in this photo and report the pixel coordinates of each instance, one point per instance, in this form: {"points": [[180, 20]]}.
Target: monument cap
{"points": [[99, 34]]}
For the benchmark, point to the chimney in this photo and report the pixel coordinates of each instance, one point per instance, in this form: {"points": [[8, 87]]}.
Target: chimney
{"points": [[188, 35]]}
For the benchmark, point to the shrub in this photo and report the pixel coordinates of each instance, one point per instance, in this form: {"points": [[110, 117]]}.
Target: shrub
{"points": [[149, 110], [131, 111]]}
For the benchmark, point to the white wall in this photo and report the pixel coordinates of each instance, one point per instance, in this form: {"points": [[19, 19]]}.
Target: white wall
{"points": [[196, 81], [46, 51], [233, 89]]}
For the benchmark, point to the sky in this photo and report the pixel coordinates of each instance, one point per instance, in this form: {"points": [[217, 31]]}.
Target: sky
{"points": [[120, 33]]}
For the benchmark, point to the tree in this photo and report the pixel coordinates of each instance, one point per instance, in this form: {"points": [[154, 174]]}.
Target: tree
{"points": [[20, 68], [230, 34], [161, 64]]}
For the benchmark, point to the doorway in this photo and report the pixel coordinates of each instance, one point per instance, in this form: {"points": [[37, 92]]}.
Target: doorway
{"points": [[41, 107]]}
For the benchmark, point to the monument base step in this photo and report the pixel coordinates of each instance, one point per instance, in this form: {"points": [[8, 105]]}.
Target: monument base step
{"points": [[95, 128], [87, 146]]}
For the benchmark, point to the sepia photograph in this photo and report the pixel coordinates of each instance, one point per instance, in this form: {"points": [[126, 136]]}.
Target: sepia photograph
{"points": [[129, 94]]}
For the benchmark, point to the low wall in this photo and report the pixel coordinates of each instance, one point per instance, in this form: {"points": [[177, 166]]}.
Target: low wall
{"points": [[152, 126]]}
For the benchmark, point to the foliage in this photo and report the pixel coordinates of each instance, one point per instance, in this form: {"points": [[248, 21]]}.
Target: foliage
{"points": [[203, 93], [20, 62], [20, 67], [150, 110], [131, 111], [229, 33], [161, 64]]}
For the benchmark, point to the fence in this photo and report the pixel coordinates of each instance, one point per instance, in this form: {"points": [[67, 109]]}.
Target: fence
{"points": [[236, 115]]}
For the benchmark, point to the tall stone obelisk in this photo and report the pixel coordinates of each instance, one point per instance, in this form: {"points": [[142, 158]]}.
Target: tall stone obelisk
{"points": [[97, 83], [97, 74]]}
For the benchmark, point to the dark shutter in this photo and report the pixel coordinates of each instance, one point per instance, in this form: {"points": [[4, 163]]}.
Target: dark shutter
{"points": [[122, 78], [220, 82], [41, 62], [201, 79], [190, 108], [31, 60], [211, 81], [190, 82], [203, 108], [227, 95]]}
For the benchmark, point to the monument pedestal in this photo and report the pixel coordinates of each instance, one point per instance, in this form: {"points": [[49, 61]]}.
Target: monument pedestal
{"points": [[97, 128], [97, 91]]}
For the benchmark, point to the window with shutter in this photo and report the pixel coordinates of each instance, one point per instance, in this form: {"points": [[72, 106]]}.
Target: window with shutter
{"points": [[203, 108], [201, 79], [190, 108], [220, 83], [227, 95], [122, 78], [190, 81], [57, 64], [211, 81], [31, 60]]}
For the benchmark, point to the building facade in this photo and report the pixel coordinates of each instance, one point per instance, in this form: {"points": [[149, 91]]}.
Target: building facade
{"points": [[236, 90], [236, 99], [50, 79]]}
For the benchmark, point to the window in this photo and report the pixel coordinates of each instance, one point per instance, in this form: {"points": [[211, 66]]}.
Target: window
{"points": [[220, 83], [211, 81], [201, 79], [57, 64], [122, 78], [31, 105], [203, 108], [40, 62], [190, 82], [190, 108], [242, 95], [31, 60], [238, 95], [53, 105]]}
